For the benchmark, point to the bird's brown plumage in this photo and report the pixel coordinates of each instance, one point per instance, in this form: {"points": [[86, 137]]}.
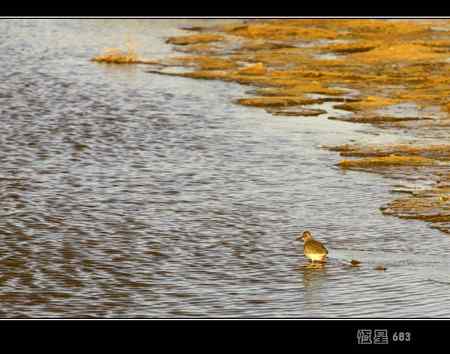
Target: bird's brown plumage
{"points": [[315, 249], [313, 246]]}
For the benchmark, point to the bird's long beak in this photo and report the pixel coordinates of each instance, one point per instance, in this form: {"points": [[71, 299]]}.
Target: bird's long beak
{"points": [[299, 238]]}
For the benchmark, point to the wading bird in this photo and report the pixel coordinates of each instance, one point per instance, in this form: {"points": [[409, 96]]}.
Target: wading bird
{"points": [[314, 250]]}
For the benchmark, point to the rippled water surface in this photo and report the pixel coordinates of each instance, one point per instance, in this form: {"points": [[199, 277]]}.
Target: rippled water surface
{"points": [[128, 194]]}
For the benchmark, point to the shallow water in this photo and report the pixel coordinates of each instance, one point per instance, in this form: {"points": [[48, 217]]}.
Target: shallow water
{"points": [[129, 194]]}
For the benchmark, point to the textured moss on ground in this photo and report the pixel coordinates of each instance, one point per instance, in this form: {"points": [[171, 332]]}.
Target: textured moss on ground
{"points": [[383, 161], [387, 63]]}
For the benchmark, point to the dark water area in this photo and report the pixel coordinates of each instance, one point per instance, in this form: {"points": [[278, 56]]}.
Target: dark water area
{"points": [[130, 194]]}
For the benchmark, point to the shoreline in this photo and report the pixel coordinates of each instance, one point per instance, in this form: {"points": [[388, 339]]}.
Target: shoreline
{"points": [[390, 74]]}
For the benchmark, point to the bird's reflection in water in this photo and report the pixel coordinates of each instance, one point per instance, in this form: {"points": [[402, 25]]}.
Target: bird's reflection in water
{"points": [[313, 274], [314, 277]]}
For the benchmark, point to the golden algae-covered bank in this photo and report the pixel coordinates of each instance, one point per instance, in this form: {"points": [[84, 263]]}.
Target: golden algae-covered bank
{"points": [[393, 74]]}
